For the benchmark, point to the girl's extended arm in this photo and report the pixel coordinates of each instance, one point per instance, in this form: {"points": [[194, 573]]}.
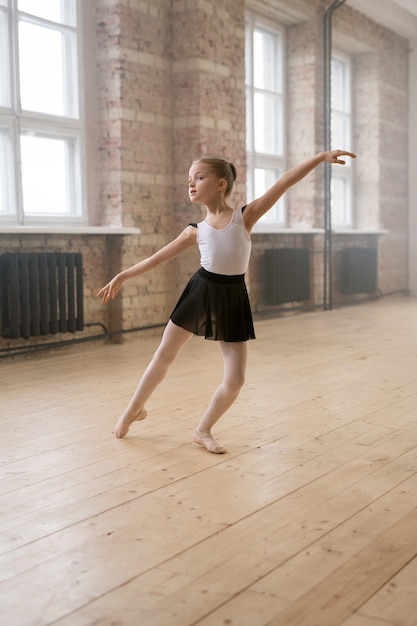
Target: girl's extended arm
{"points": [[186, 240], [261, 205]]}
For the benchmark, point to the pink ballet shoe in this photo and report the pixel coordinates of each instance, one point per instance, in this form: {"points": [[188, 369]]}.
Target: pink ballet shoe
{"points": [[123, 425], [207, 441]]}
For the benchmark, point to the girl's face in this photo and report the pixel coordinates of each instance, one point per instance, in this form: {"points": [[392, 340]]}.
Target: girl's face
{"points": [[203, 185]]}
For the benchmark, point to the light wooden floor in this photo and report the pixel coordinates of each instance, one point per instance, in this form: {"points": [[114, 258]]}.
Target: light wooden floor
{"points": [[309, 520]]}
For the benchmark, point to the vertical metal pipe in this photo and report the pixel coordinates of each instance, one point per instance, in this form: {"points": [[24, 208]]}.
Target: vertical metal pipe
{"points": [[327, 54]]}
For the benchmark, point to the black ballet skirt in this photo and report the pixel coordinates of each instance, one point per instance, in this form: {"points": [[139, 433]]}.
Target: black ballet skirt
{"points": [[216, 307]]}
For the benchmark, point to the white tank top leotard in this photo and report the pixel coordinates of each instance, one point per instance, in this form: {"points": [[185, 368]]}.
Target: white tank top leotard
{"points": [[226, 251]]}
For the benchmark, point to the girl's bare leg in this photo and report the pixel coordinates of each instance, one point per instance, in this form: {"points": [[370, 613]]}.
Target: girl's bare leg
{"points": [[172, 342], [234, 360]]}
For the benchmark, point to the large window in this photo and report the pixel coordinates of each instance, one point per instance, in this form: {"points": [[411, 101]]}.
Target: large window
{"points": [[265, 112], [341, 137], [41, 130]]}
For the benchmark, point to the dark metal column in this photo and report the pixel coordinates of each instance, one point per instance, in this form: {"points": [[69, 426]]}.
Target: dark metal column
{"points": [[327, 253]]}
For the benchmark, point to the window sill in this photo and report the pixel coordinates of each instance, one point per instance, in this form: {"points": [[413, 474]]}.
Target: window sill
{"points": [[68, 230], [277, 230], [272, 229], [360, 231]]}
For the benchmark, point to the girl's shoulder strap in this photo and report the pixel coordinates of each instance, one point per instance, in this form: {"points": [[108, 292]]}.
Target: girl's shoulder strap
{"points": [[238, 215], [193, 224]]}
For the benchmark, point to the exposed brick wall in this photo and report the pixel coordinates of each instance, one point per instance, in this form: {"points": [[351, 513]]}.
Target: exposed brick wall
{"points": [[305, 120], [366, 140], [380, 101], [170, 86], [135, 100], [209, 103]]}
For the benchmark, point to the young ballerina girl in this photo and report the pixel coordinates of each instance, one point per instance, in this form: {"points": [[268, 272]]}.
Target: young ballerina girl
{"points": [[215, 302]]}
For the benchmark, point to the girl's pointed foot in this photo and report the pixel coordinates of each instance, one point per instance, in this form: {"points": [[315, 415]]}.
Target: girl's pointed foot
{"points": [[124, 423], [208, 441]]}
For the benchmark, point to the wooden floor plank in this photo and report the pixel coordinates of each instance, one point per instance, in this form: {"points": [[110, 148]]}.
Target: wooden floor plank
{"points": [[396, 601], [309, 519], [233, 566], [333, 600]]}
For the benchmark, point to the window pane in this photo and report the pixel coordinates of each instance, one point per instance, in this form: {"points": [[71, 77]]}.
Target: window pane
{"points": [[249, 120], [267, 124], [264, 112], [264, 178], [6, 205], [61, 11], [340, 201], [47, 164], [341, 132], [266, 62], [337, 81], [46, 76], [340, 86], [3, 3], [4, 62]]}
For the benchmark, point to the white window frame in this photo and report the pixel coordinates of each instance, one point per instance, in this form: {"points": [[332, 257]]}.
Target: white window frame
{"points": [[342, 177], [69, 128], [275, 219]]}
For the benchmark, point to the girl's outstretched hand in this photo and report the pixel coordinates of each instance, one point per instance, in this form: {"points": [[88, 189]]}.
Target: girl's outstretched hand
{"points": [[333, 156], [110, 291]]}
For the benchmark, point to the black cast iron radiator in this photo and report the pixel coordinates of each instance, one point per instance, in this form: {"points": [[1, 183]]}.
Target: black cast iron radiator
{"points": [[287, 275], [359, 270], [41, 294]]}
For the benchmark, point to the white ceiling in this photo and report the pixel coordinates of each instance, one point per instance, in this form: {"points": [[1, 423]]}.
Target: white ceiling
{"points": [[398, 15]]}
